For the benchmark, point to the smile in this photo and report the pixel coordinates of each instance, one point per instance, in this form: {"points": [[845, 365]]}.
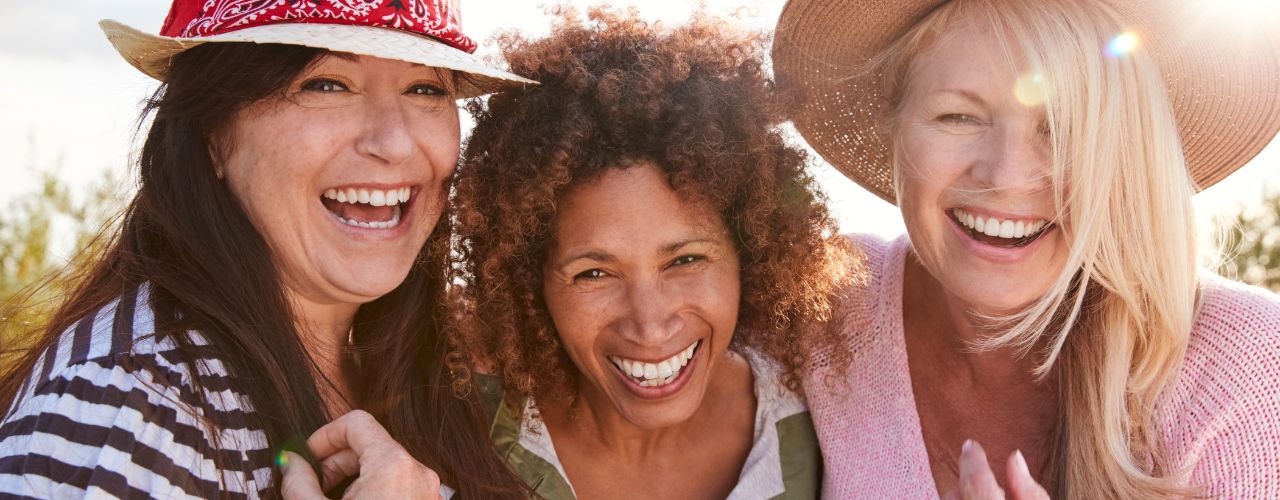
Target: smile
{"points": [[1006, 233], [656, 374], [367, 208]]}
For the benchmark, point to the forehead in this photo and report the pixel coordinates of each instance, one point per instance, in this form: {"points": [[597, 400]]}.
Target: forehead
{"points": [[970, 54], [631, 206]]}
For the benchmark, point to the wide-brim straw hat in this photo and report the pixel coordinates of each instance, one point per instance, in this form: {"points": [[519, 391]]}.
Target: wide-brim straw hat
{"points": [[426, 32], [1223, 80]]}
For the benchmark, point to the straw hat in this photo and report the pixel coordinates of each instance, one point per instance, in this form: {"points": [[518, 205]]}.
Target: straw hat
{"points": [[1223, 79], [426, 32]]}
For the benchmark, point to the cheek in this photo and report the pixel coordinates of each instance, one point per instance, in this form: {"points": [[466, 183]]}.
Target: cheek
{"points": [[438, 135], [577, 317]]}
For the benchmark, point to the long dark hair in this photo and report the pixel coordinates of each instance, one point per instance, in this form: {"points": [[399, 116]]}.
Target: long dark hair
{"points": [[209, 270]]}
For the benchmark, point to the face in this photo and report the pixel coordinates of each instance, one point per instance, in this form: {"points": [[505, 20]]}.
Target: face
{"points": [[344, 176], [643, 288], [974, 159]]}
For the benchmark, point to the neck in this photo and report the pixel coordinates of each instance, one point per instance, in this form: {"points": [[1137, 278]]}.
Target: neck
{"points": [[324, 330], [950, 339]]}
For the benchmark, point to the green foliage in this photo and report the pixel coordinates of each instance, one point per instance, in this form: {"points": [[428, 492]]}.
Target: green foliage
{"points": [[36, 231], [1252, 242]]}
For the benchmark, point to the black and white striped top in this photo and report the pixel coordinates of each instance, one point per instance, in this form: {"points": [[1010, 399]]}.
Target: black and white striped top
{"points": [[111, 411]]}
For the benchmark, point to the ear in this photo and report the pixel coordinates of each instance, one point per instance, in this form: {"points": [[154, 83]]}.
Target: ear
{"points": [[217, 154]]}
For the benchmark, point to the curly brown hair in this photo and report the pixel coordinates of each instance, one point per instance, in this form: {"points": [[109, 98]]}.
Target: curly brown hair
{"points": [[615, 91]]}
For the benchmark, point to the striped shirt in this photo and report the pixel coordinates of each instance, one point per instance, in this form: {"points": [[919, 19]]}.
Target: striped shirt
{"points": [[110, 410]]}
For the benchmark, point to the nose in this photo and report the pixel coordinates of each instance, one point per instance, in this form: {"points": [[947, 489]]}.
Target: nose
{"points": [[386, 134], [653, 315], [1016, 159]]}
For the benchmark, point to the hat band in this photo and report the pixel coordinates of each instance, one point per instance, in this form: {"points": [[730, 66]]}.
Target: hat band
{"points": [[436, 19]]}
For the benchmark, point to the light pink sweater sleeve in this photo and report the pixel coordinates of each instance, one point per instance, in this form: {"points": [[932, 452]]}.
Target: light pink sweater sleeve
{"points": [[1219, 420]]}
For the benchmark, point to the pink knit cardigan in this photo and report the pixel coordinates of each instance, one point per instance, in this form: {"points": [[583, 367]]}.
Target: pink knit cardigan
{"points": [[1220, 419]]}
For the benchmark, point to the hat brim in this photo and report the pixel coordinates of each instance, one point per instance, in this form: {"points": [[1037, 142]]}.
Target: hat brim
{"points": [[1223, 83], [152, 54]]}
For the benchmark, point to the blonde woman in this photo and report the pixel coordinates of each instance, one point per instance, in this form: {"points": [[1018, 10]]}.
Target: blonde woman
{"points": [[1046, 308]]}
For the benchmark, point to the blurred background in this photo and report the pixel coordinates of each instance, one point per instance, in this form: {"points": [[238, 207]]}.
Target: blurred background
{"points": [[69, 129]]}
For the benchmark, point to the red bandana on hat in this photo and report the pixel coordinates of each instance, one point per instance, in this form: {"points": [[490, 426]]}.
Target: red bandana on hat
{"points": [[437, 19]]}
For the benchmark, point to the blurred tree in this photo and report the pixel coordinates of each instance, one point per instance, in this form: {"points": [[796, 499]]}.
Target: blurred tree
{"points": [[36, 231], [1252, 244]]}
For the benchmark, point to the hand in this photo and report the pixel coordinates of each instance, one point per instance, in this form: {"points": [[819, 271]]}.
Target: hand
{"points": [[353, 444], [978, 482]]}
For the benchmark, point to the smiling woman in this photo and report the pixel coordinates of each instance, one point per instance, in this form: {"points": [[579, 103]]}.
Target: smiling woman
{"points": [[644, 265], [237, 311]]}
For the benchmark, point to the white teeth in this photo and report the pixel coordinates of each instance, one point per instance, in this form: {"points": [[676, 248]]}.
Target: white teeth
{"points": [[656, 374], [373, 197], [1001, 228], [1006, 229]]}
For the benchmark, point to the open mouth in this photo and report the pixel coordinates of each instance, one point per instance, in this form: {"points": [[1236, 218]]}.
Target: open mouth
{"points": [[658, 374], [367, 208], [1003, 233]]}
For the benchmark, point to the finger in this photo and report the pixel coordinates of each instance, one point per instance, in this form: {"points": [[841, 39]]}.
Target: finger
{"points": [[951, 495], [976, 479], [338, 467], [1021, 484], [357, 430], [298, 481]]}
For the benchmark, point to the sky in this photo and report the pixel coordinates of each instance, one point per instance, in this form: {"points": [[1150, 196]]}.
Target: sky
{"points": [[69, 104]]}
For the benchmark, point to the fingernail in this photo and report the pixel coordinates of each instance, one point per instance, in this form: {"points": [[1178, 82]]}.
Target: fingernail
{"points": [[967, 447], [1022, 462]]}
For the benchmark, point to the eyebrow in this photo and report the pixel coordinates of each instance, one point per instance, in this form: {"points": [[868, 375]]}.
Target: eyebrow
{"points": [[967, 94], [599, 256], [675, 247]]}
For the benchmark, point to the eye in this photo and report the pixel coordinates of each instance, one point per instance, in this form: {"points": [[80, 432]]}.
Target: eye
{"points": [[958, 118], [685, 260], [323, 85], [426, 89], [590, 274]]}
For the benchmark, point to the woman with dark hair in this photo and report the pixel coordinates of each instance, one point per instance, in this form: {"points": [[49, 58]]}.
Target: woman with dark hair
{"points": [[641, 254], [274, 270]]}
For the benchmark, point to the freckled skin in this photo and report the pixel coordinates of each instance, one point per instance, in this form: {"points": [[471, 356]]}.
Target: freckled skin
{"points": [[375, 121], [635, 271]]}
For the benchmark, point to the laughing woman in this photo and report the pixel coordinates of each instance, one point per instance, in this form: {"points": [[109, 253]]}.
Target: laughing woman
{"points": [[641, 250], [1046, 303], [296, 166]]}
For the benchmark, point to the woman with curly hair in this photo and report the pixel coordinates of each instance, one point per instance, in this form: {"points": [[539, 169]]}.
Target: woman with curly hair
{"points": [[641, 255]]}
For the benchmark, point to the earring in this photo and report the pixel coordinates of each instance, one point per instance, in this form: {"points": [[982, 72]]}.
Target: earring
{"points": [[217, 171]]}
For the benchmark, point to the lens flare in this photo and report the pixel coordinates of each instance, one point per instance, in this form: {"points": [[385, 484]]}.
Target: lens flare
{"points": [[282, 459], [1030, 89], [1122, 44]]}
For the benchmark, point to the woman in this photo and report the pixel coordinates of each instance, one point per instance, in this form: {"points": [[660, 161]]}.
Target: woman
{"points": [[295, 167], [639, 249], [1046, 301]]}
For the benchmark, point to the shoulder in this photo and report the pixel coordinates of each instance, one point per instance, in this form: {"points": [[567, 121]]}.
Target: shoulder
{"points": [[1221, 416], [111, 406], [865, 310], [785, 460], [1235, 341]]}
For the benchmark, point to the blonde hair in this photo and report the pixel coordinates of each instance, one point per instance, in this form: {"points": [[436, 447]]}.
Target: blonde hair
{"points": [[1117, 320]]}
